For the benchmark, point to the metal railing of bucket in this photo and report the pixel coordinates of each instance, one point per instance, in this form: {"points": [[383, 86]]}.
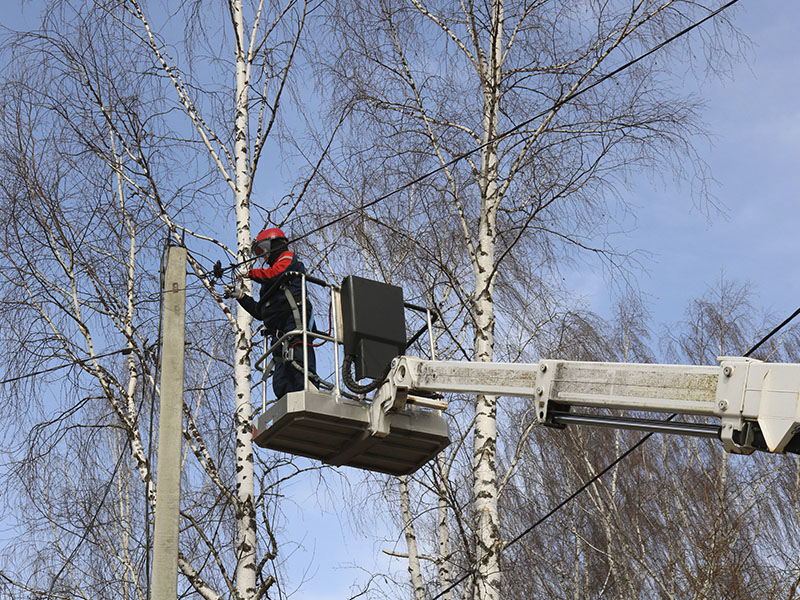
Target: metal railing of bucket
{"points": [[263, 363]]}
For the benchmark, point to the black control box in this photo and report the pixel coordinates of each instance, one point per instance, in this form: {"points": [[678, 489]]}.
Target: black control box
{"points": [[373, 317]]}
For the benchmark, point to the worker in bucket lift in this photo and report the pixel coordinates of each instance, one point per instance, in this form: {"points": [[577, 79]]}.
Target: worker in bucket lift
{"points": [[279, 307]]}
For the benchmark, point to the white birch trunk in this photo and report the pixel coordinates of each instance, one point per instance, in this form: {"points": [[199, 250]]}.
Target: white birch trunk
{"points": [[443, 530], [245, 486], [124, 493], [414, 568], [485, 481], [484, 450]]}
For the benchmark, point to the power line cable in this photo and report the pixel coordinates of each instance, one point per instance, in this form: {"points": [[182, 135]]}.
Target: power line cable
{"points": [[96, 514], [508, 133], [90, 526], [72, 364], [561, 504], [516, 128], [773, 332], [606, 469]]}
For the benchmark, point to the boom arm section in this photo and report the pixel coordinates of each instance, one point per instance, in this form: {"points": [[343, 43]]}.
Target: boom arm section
{"points": [[751, 405]]}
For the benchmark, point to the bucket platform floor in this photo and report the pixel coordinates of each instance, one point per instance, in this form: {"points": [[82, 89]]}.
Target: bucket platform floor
{"points": [[336, 431]]}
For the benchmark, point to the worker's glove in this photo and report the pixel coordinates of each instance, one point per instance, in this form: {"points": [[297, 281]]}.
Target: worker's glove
{"points": [[234, 291]]}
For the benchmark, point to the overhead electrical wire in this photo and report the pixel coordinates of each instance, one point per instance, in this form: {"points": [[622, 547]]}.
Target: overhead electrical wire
{"points": [[111, 479], [773, 332], [71, 364], [516, 128], [89, 527], [100, 505], [560, 505], [508, 133], [607, 468]]}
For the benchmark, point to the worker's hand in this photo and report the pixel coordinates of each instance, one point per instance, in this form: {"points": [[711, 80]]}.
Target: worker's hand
{"points": [[234, 291]]}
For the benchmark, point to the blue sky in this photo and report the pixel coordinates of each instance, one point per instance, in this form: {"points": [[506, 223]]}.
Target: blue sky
{"points": [[753, 116], [754, 119]]}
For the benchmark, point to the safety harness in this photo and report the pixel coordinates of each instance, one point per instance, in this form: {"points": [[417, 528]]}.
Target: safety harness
{"points": [[288, 345]]}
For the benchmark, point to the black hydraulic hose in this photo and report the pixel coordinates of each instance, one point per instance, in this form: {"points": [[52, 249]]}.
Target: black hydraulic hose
{"points": [[351, 384]]}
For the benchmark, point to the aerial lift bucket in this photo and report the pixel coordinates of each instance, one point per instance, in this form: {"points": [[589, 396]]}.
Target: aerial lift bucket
{"points": [[339, 429]]}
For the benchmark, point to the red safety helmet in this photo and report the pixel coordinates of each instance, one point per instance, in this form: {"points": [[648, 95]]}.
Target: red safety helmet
{"points": [[263, 245]]}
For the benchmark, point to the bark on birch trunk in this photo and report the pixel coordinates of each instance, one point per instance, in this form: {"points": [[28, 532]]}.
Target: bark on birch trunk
{"points": [[245, 486], [443, 530], [411, 540], [485, 482]]}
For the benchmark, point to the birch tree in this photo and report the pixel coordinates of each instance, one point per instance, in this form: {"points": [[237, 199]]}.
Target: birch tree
{"points": [[677, 518], [176, 109], [436, 86]]}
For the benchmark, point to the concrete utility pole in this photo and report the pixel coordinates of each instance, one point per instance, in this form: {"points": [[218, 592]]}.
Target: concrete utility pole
{"points": [[165, 549]]}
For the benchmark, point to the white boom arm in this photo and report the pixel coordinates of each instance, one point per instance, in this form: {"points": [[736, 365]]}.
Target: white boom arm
{"points": [[754, 405]]}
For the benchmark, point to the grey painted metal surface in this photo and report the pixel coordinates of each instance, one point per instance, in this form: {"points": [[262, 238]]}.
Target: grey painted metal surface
{"points": [[757, 403], [683, 389], [637, 424], [338, 431]]}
